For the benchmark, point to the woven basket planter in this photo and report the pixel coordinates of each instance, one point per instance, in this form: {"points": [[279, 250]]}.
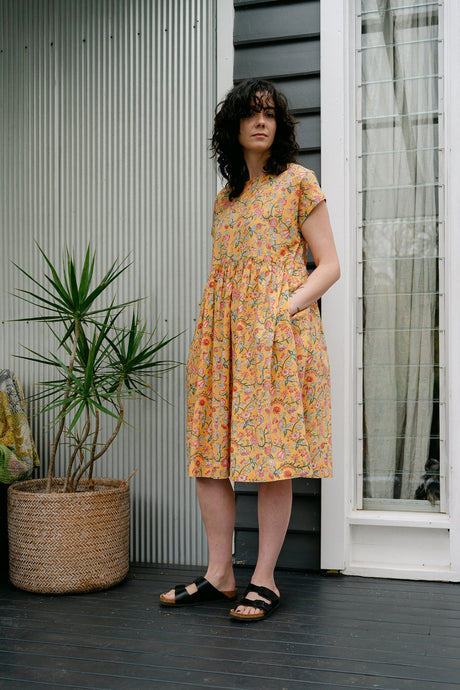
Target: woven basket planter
{"points": [[62, 543]]}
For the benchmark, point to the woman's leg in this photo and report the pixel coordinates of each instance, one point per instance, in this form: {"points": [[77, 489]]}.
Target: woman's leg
{"points": [[274, 511], [217, 504]]}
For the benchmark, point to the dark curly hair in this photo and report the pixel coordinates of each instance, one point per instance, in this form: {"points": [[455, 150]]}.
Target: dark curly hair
{"points": [[239, 103]]}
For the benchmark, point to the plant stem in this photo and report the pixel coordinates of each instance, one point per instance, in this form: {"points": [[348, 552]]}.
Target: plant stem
{"points": [[93, 447], [63, 411], [68, 484], [77, 475], [96, 456]]}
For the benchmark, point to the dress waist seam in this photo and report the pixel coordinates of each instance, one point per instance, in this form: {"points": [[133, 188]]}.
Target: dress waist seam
{"points": [[221, 267]]}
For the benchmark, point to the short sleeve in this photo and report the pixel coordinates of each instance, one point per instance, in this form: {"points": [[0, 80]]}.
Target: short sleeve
{"points": [[218, 206], [310, 195]]}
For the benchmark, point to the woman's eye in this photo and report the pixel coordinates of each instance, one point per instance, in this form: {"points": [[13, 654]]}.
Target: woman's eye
{"points": [[255, 113]]}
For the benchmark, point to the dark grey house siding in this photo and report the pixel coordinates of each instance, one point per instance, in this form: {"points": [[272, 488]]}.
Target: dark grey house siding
{"points": [[301, 549], [280, 41]]}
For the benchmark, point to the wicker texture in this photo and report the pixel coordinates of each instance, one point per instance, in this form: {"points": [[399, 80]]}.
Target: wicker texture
{"points": [[62, 543]]}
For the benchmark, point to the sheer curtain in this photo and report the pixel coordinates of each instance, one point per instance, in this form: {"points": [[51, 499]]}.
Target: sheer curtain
{"points": [[399, 242]]}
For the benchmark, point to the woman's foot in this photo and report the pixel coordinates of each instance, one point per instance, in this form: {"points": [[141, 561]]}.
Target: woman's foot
{"points": [[268, 600], [225, 585]]}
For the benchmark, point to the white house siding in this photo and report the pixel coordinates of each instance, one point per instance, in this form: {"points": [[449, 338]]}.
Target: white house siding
{"points": [[106, 108]]}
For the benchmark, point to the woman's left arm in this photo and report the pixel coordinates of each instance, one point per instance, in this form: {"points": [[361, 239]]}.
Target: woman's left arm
{"points": [[317, 232]]}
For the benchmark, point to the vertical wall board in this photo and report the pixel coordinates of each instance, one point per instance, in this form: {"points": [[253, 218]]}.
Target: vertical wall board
{"points": [[106, 110]]}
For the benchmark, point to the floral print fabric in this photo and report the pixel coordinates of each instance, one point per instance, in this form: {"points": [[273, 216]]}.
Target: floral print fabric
{"points": [[18, 455], [258, 398]]}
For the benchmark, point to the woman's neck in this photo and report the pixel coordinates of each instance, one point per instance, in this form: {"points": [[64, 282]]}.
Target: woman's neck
{"points": [[255, 163]]}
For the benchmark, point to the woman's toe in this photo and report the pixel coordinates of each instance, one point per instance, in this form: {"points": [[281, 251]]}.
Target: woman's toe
{"points": [[168, 596], [247, 611]]}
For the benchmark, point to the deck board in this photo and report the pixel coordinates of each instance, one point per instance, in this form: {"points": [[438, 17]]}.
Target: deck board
{"points": [[330, 632]]}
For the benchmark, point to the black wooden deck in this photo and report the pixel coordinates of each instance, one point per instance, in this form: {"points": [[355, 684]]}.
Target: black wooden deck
{"points": [[331, 632]]}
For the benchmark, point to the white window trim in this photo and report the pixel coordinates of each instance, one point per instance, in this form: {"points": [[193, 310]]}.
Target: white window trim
{"points": [[225, 18], [340, 522], [452, 215], [383, 504], [338, 182]]}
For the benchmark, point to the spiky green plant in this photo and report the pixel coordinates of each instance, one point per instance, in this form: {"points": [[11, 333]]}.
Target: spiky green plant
{"points": [[100, 360]]}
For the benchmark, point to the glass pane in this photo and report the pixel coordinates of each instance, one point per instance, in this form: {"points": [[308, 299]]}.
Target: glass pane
{"points": [[399, 304], [401, 162], [399, 138], [378, 94], [396, 6], [381, 354]]}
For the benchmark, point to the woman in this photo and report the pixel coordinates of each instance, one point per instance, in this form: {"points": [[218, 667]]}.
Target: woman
{"points": [[258, 403]]}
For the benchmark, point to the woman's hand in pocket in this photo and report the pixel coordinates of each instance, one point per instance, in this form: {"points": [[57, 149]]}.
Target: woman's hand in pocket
{"points": [[294, 308]]}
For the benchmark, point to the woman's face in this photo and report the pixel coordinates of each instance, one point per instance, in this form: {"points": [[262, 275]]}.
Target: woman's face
{"points": [[257, 132]]}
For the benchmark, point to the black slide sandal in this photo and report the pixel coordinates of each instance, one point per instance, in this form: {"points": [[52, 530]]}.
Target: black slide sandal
{"points": [[205, 592], [266, 608]]}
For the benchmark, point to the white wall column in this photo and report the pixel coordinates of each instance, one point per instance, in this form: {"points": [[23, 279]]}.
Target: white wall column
{"points": [[452, 214], [337, 305]]}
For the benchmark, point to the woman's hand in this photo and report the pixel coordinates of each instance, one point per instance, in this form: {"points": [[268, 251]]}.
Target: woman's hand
{"points": [[294, 307], [317, 232]]}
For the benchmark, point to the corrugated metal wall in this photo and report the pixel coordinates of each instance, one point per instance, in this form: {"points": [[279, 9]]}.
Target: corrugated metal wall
{"points": [[107, 106]]}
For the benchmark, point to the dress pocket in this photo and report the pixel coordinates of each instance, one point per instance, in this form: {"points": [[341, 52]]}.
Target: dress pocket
{"points": [[298, 315]]}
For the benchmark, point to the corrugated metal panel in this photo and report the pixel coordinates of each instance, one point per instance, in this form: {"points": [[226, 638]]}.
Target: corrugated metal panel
{"points": [[106, 111]]}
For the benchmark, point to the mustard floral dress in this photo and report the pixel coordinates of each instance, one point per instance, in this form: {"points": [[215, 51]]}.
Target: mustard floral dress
{"points": [[258, 395]]}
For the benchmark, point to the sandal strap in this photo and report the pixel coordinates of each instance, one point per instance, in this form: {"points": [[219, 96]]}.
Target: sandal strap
{"points": [[263, 591], [181, 596], [203, 584], [254, 604]]}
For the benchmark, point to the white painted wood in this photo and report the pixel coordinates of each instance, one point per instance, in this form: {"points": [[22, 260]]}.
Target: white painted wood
{"points": [[395, 518], [225, 17], [398, 572], [373, 543], [406, 547], [337, 179], [451, 61]]}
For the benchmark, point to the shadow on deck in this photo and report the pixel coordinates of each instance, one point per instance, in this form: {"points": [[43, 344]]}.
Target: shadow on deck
{"points": [[330, 632]]}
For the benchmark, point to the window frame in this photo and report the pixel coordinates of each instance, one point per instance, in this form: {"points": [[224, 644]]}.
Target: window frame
{"points": [[377, 504], [342, 527]]}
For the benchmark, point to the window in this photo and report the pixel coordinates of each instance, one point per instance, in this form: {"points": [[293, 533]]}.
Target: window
{"points": [[400, 257]]}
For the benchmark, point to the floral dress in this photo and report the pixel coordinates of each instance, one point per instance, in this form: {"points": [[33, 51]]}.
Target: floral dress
{"points": [[258, 393]]}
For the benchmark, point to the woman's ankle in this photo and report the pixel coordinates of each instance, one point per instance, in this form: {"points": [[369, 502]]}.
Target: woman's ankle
{"points": [[221, 578], [264, 579]]}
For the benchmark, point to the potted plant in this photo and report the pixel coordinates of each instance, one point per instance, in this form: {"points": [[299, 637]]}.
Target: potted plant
{"points": [[71, 533]]}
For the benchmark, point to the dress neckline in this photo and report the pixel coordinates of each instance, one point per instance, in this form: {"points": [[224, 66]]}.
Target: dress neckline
{"points": [[253, 180], [266, 174]]}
